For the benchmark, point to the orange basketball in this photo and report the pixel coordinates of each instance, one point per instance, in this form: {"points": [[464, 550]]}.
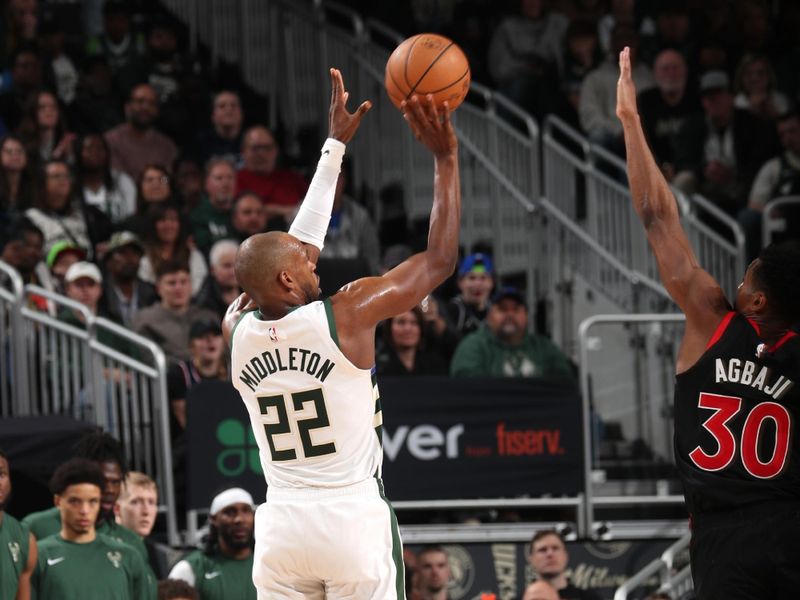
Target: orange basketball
{"points": [[428, 64]]}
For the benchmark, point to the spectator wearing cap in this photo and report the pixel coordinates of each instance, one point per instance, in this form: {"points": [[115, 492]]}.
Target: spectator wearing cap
{"points": [[168, 322], [351, 232], [207, 361], [211, 219], [220, 287], [224, 137], [60, 258], [466, 311], [504, 348], [249, 216], [83, 283], [124, 293], [223, 568], [721, 150], [136, 143]]}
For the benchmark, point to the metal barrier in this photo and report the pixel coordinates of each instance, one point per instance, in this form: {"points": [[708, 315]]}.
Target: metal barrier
{"points": [[96, 371], [13, 380], [646, 417], [772, 221], [662, 567]]}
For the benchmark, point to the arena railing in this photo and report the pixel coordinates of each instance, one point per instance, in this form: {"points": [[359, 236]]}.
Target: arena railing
{"points": [[772, 221], [13, 372], [662, 568], [99, 372], [644, 409]]}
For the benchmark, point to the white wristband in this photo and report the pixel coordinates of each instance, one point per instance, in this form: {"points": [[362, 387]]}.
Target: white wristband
{"points": [[311, 222]]}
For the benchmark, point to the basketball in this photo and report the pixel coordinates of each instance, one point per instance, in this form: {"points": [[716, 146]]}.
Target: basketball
{"points": [[428, 64]]}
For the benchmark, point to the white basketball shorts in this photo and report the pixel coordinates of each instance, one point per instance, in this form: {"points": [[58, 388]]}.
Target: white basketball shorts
{"points": [[318, 543]]}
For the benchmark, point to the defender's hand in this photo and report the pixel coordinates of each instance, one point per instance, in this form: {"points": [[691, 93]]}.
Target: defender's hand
{"points": [[431, 126], [343, 125], [626, 90]]}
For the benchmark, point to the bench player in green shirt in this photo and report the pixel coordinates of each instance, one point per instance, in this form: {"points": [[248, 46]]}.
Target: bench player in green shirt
{"points": [[78, 563], [223, 570], [104, 450], [17, 546]]}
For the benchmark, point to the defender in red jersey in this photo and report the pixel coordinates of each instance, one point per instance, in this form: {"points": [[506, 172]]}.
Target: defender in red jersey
{"points": [[737, 402]]}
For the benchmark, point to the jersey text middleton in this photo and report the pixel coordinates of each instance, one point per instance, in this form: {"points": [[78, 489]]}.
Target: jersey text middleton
{"points": [[272, 361]]}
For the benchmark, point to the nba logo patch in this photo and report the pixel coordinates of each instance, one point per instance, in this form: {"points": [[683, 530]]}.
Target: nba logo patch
{"points": [[273, 334], [761, 350]]}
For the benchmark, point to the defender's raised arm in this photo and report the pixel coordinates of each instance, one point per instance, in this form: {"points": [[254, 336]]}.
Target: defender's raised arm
{"points": [[693, 289]]}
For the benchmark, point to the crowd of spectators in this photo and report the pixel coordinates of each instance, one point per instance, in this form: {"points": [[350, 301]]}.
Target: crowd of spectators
{"points": [[130, 171]]}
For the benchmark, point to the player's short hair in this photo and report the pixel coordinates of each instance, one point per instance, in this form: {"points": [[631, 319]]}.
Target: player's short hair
{"points": [[777, 275], [543, 533], [431, 548], [74, 472], [169, 589], [136, 479], [101, 447], [170, 267]]}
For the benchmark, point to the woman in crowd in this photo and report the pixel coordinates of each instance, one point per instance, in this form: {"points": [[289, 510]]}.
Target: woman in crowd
{"points": [[64, 218], [17, 187], [404, 350], [154, 187], [755, 88], [44, 131], [112, 192], [165, 239]]}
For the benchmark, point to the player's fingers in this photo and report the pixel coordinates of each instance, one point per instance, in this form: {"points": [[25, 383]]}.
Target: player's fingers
{"points": [[345, 96], [334, 87], [416, 110], [363, 109], [339, 84], [434, 113]]}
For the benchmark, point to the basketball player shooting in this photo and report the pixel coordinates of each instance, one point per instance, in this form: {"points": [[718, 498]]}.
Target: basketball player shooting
{"points": [[305, 370], [736, 402]]}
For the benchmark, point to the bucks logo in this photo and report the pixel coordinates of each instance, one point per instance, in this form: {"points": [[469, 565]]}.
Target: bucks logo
{"points": [[13, 547], [115, 558], [240, 449]]}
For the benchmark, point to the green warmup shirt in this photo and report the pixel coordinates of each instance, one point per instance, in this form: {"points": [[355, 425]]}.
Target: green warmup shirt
{"points": [[217, 577], [14, 538], [104, 569], [48, 522]]}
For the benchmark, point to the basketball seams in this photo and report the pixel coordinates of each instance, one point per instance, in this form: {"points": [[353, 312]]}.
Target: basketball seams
{"points": [[428, 68], [447, 87], [405, 64]]}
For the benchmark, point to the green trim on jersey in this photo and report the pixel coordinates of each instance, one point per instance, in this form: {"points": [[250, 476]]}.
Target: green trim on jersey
{"points": [[331, 321], [397, 548], [239, 320]]}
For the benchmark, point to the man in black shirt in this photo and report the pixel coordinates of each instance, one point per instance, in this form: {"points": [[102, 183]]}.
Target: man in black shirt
{"points": [[735, 398], [666, 108], [549, 559]]}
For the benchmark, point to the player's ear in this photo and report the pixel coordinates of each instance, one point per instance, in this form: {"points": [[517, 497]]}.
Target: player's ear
{"points": [[285, 279], [56, 500], [759, 301]]}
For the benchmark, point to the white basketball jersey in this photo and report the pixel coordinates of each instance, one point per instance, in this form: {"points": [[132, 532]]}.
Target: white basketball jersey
{"points": [[316, 416]]}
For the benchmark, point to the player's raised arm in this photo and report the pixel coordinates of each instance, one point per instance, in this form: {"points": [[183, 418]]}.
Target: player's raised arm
{"points": [[311, 222], [376, 298], [693, 289]]}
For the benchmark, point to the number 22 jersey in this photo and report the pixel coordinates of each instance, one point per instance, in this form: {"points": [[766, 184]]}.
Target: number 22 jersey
{"points": [[736, 411], [315, 415]]}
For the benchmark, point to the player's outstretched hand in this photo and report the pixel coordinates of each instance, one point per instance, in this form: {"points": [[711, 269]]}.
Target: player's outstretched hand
{"points": [[342, 125], [431, 125], [626, 90]]}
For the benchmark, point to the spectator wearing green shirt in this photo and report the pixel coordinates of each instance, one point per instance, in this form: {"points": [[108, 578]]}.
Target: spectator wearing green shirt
{"points": [[223, 569], [17, 545], [106, 452], [502, 347], [211, 219], [78, 563]]}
